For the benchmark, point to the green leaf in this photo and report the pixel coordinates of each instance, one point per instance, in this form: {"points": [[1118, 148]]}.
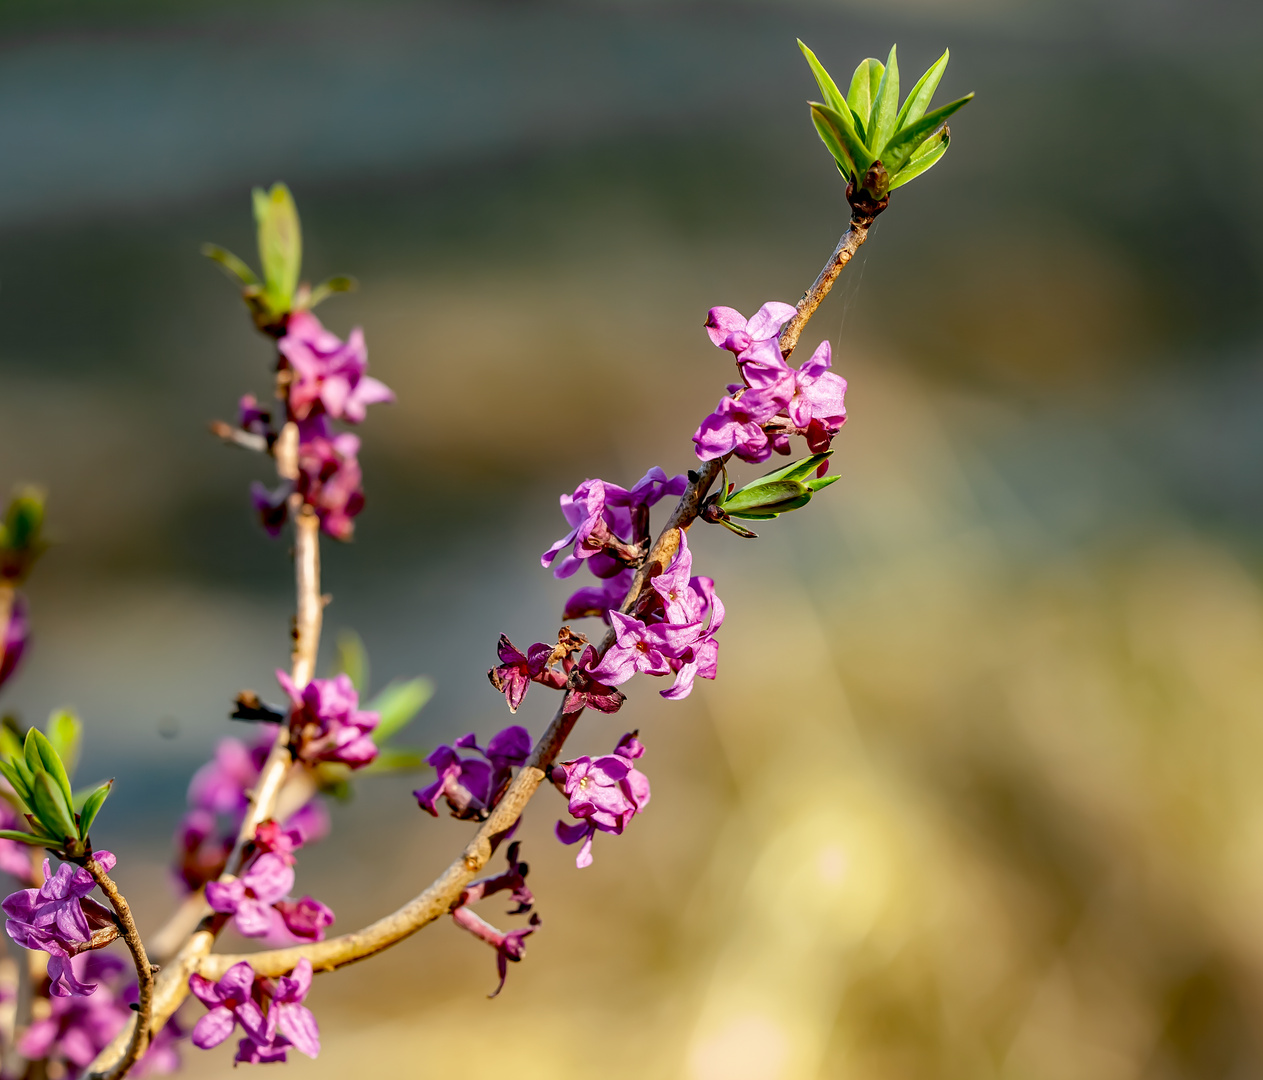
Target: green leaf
{"points": [[832, 95], [864, 84], [326, 289], [394, 759], [19, 782], [925, 158], [837, 132], [65, 732], [762, 494], [819, 483], [280, 244], [797, 470], [900, 149], [885, 107], [352, 660], [51, 763], [52, 810], [92, 806], [919, 100], [732, 526], [397, 704], [10, 738], [23, 838], [232, 265]]}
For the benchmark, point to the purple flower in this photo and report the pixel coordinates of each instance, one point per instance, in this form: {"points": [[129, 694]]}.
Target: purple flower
{"points": [[702, 656], [510, 947], [16, 635], [736, 425], [289, 1022], [327, 723], [605, 517], [640, 648], [250, 898], [730, 330], [605, 794], [221, 784], [328, 374], [306, 919], [274, 839], [58, 918], [599, 599], [231, 1002], [329, 480], [471, 785]]}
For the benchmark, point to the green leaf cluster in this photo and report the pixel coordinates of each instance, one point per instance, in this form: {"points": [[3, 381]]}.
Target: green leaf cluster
{"points": [[35, 767], [273, 297], [878, 144], [769, 496], [22, 534]]}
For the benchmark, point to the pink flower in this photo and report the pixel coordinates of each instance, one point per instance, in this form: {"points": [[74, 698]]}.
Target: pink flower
{"points": [[605, 794], [329, 375], [249, 898], [231, 1002], [730, 330], [14, 639], [327, 723]]}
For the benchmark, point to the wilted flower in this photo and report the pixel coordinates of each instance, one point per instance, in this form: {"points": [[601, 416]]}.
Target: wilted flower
{"points": [[510, 947], [515, 673]]}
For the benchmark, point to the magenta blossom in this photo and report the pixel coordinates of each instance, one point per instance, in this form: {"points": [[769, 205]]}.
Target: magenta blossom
{"points": [[14, 639], [305, 919], [250, 898], [327, 723], [272, 838], [605, 794], [608, 522], [470, 784], [59, 918], [600, 599], [329, 375], [231, 1002], [730, 330], [288, 1023]]}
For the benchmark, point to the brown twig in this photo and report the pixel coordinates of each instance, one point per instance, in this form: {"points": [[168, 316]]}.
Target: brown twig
{"points": [[139, 1040], [247, 440], [863, 212]]}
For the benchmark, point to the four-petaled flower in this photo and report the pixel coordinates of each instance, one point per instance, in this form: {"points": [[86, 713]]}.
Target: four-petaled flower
{"points": [[250, 898], [231, 1002], [59, 918], [605, 793], [327, 723], [329, 375], [288, 1022]]}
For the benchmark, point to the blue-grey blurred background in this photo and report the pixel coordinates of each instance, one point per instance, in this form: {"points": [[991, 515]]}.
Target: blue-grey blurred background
{"points": [[976, 792]]}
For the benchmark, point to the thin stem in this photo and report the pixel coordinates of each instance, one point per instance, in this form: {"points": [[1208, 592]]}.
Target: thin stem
{"points": [[172, 984], [139, 1041], [862, 215]]}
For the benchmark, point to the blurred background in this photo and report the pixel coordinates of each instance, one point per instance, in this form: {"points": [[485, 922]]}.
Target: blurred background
{"points": [[976, 793]]}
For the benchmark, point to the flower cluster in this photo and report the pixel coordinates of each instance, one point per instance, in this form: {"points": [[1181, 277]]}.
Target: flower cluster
{"points": [[472, 785], [673, 632], [272, 1015], [605, 793], [218, 799], [78, 1028], [324, 378], [510, 947], [326, 722], [774, 400], [59, 918]]}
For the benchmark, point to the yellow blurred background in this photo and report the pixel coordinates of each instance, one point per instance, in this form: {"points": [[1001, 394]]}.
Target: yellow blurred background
{"points": [[975, 792]]}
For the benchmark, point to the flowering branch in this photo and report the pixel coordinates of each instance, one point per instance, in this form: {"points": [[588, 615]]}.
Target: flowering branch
{"points": [[139, 1040]]}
